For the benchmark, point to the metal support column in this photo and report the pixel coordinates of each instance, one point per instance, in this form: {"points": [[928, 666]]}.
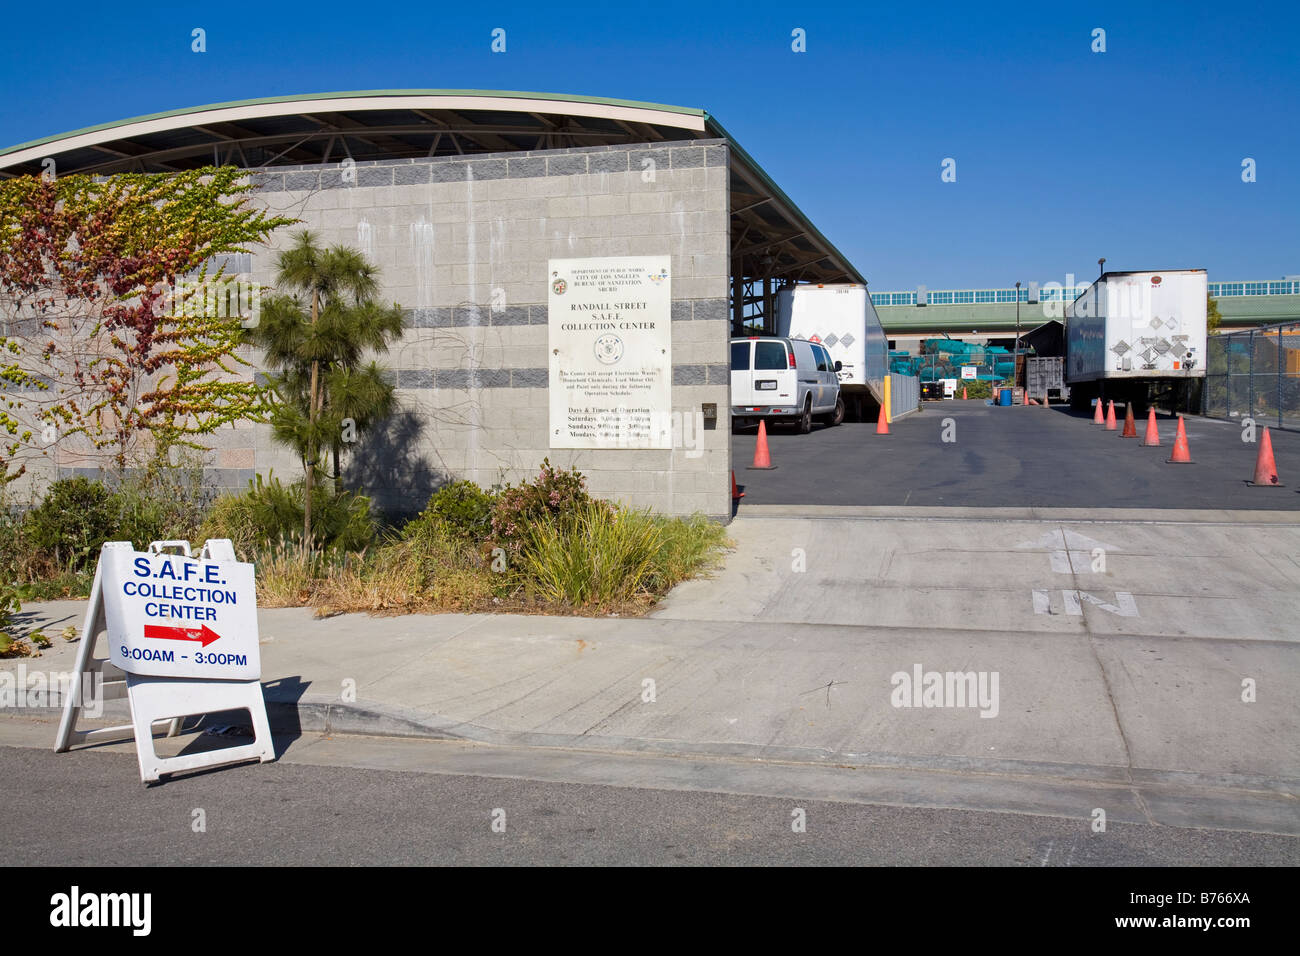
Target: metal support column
{"points": [[769, 315], [737, 305]]}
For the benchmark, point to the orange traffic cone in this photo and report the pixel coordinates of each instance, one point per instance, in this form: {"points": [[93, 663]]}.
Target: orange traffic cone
{"points": [[882, 423], [1265, 469], [963, 393], [1099, 418], [1110, 416], [1152, 436], [1181, 454], [736, 493], [1130, 426], [762, 458]]}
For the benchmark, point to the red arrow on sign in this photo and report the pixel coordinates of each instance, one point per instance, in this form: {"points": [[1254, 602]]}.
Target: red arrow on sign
{"points": [[204, 635]]}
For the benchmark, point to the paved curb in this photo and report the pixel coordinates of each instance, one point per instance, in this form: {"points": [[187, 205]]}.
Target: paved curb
{"points": [[329, 716]]}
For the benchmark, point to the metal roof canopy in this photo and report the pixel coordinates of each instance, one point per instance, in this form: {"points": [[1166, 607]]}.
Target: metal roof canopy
{"points": [[771, 238]]}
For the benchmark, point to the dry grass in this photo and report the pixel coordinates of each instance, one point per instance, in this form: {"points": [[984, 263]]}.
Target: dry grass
{"points": [[593, 562], [290, 574], [428, 569]]}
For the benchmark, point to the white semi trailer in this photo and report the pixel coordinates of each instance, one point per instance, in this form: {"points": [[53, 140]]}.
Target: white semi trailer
{"points": [[1137, 336], [842, 318]]}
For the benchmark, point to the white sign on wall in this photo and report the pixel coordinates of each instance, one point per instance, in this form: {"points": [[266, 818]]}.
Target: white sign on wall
{"points": [[968, 371], [175, 616], [610, 352]]}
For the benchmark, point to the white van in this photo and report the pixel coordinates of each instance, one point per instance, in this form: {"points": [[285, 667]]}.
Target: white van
{"points": [[785, 380]]}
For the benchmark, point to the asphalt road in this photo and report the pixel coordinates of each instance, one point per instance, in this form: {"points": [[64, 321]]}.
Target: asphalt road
{"points": [[89, 808], [1019, 456]]}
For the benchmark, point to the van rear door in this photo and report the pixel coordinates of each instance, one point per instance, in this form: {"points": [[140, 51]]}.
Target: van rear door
{"points": [[775, 381], [742, 378], [761, 373]]}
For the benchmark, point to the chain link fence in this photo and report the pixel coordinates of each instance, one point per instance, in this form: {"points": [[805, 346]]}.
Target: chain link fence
{"points": [[1255, 374]]}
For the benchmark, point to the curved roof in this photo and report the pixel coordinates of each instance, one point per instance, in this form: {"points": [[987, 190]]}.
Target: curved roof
{"points": [[771, 236]]}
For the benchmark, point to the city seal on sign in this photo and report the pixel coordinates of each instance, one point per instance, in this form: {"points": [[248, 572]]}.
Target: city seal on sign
{"points": [[609, 349], [658, 277], [559, 285]]}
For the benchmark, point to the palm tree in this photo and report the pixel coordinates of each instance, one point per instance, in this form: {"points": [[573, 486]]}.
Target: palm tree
{"points": [[315, 332]]}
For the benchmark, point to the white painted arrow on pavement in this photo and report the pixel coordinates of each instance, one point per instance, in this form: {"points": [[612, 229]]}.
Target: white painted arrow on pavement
{"points": [[1124, 606], [1070, 552]]}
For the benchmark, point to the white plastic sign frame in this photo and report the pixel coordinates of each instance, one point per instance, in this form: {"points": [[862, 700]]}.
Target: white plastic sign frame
{"points": [[155, 698], [171, 615]]}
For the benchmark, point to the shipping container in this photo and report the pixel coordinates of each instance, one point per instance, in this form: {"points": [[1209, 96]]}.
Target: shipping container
{"points": [[1045, 375], [1137, 336], [843, 319]]}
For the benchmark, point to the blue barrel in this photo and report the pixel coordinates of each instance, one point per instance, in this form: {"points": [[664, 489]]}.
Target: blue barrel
{"points": [[1004, 396]]}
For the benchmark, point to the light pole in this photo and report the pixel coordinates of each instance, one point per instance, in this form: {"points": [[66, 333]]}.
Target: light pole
{"points": [[1101, 267], [1015, 352]]}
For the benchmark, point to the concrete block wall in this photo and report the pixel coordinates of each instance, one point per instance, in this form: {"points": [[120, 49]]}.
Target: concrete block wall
{"points": [[229, 461], [462, 246]]}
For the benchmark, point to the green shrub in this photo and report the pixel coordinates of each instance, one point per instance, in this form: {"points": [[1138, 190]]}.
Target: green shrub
{"points": [[68, 527], [517, 510], [463, 508], [57, 586], [9, 606], [270, 513], [162, 504], [57, 542], [231, 516], [13, 551]]}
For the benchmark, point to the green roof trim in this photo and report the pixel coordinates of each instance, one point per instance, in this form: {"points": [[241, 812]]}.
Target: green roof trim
{"points": [[514, 94]]}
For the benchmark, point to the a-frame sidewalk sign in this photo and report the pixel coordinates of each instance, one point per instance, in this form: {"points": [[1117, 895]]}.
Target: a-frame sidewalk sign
{"points": [[182, 642]]}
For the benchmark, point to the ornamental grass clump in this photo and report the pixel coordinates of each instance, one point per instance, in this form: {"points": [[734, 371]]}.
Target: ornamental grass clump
{"points": [[594, 557]]}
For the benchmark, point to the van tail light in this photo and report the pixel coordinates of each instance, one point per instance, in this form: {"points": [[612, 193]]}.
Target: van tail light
{"points": [[790, 357]]}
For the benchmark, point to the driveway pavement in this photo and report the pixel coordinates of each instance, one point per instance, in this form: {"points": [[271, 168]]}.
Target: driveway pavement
{"points": [[968, 454]]}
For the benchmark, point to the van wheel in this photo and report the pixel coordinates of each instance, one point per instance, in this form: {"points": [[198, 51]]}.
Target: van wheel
{"points": [[834, 417], [805, 420], [837, 416]]}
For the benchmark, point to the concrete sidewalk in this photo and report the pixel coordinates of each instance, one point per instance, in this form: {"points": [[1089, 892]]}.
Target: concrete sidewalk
{"points": [[1130, 675]]}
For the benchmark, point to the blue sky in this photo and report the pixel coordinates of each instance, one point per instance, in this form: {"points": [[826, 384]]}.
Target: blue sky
{"points": [[1062, 154]]}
